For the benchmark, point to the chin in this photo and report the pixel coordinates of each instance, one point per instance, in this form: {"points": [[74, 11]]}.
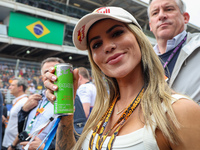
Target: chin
{"points": [[165, 34]]}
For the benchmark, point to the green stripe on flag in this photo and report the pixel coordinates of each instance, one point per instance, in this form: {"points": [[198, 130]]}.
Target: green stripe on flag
{"points": [[36, 29]]}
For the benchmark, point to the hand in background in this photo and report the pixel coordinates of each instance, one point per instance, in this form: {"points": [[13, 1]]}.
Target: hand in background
{"points": [[34, 144], [32, 102]]}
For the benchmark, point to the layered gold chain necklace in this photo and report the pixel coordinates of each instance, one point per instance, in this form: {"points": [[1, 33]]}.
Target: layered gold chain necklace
{"points": [[104, 121]]}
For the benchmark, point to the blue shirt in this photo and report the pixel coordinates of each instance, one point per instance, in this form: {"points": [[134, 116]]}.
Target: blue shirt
{"points": [[42, 118]]}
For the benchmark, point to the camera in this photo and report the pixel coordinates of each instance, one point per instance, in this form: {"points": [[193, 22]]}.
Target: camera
{"points": [[23, 136]]}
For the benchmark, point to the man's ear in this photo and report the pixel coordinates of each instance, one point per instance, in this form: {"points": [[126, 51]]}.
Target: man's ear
{"points": [[186, 17]]}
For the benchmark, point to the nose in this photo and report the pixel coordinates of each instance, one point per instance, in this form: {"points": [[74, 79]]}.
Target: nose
{"points": [[109, 46], [162, 15]]}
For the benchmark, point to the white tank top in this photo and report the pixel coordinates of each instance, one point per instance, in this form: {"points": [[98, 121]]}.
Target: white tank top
{"points": [[142, 139]]}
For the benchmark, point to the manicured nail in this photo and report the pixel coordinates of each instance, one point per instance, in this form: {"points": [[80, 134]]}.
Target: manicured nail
{"points": [[50, 69], [54, 78], [54, 87]]}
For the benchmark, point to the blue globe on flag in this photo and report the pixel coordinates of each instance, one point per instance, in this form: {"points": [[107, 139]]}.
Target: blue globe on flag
{"points": [[38, 29]]}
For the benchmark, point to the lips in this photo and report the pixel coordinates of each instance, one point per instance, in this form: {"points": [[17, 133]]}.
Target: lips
{"points": [[163, 24], [115, 58]]}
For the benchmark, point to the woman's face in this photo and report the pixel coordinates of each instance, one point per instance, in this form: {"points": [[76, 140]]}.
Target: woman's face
{"points": [[114, 48]]}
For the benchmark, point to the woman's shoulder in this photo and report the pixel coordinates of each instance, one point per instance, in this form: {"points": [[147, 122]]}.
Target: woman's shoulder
{"points": [[187, 112]]}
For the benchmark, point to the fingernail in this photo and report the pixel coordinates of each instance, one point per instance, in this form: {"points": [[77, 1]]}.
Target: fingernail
{"points": [[50, 69], [54, 87], [54, 77]]}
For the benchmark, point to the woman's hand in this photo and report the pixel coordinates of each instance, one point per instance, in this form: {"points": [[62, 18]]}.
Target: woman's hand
{"points": [[50, 78]]}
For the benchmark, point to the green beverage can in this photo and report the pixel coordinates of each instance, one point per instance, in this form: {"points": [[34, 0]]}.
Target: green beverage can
{"points": [[64, 103]]}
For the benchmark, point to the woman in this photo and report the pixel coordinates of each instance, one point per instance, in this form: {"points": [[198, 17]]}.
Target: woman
{"points": [[137, 112]]}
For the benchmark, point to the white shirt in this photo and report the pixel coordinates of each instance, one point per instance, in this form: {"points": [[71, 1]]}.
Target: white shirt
{"points": [[171, 43], [12, 129], [141, 139], [41, 118], [87, 93]]}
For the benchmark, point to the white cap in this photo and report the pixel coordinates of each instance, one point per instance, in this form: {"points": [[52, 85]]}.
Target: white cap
{"points": [[83, 25]]}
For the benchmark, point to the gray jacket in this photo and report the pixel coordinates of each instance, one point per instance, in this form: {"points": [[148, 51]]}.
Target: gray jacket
{"points": [[185, 77]]}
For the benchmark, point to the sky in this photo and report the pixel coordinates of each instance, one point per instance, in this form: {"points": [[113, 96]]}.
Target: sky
{"points": [[192, 7]]}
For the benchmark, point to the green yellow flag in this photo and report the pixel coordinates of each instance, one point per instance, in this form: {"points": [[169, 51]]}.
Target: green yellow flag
{"points": [[36, 29]]}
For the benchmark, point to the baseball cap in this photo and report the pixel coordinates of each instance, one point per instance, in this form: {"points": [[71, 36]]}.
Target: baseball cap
{"points": [[83, 25]]}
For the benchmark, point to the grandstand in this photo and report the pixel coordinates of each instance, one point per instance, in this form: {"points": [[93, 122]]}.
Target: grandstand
{"points": [[32, 30]]}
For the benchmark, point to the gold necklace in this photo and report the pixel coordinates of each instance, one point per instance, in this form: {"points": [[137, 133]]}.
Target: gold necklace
{"points": [[119, 112]]}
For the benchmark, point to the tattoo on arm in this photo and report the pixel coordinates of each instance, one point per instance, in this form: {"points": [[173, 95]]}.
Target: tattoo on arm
{"points": [[65, 139]]}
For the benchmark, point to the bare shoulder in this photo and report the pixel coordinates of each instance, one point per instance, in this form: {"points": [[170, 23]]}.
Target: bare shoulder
{"points": [[185, 108], [188, 115]]}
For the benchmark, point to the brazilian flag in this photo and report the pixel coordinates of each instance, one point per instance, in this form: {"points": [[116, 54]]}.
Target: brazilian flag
{"points": [[36, 29]]}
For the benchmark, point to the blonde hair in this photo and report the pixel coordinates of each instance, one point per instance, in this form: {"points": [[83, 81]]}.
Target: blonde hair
{"points": [[156, 92]]}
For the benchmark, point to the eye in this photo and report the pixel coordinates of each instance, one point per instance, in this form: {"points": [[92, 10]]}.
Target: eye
{"points": [[169, 9], [117, 33], [154, 13], [96, 45]]}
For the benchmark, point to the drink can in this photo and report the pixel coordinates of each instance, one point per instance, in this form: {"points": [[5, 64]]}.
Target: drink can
{"points": [[64, 103]]}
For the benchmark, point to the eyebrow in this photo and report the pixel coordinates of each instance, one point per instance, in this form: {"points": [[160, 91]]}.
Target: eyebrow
{"points": [[108, 31], [113, 27]]}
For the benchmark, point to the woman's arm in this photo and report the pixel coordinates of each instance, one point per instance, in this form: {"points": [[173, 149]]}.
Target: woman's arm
{"points": [[65, 139]]}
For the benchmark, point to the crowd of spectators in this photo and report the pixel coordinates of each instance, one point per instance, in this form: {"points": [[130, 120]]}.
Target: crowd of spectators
{"points": [[29, 72]]}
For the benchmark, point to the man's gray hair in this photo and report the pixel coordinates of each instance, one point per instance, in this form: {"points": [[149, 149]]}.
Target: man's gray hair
{"points": [[51, 59], [22, 82], [180, 4]]}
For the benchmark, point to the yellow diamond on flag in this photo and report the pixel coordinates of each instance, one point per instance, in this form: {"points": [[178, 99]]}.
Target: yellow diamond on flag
{"points": [[38, 29]]}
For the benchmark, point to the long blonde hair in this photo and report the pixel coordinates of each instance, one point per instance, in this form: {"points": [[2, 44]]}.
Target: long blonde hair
{"points": [[156, 92]]}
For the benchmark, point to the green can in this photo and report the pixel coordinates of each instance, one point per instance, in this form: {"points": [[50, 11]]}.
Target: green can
{"points": [[64, 103]]}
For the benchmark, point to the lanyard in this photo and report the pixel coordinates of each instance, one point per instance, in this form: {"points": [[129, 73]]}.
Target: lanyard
{"points": [[101, 138], [50, 135], [174, 52], [39, 111], [18, 100], [38, 131]]}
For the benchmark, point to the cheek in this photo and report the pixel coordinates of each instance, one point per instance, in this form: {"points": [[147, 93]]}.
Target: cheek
{"points": [[96, 58]]}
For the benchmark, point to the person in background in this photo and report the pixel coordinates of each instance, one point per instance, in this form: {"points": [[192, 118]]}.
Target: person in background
{"points": [[17, 88], [1, 114], [38, 101], [86, 90], [4, 116], [35, 103], [32, 89], [178, 50], [140, 111]]}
